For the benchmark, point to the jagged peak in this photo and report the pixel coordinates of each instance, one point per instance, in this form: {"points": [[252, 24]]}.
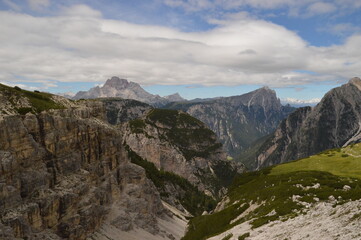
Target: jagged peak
{"points": [[266, 89], [119, 83], [356, 81], [174, 97]]}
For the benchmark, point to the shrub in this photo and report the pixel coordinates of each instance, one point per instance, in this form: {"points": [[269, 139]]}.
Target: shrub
{"points": [[228, 237], [244, 236]]}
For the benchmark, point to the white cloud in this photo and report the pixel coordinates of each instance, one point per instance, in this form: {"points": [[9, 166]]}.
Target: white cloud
{"points": [[81, 10], [298, 102], [321, 8], [341, 29], [38, 4], [85, 47]]}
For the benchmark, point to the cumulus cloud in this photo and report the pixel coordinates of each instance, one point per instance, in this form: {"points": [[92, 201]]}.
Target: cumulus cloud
{"points": [[80, 45]]}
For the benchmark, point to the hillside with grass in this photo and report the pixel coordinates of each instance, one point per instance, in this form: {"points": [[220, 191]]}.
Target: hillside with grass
{"points": [[17, 100], [285, 194]]}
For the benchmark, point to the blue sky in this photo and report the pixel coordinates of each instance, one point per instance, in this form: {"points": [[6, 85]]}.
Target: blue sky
{"points": [[199, 48]]}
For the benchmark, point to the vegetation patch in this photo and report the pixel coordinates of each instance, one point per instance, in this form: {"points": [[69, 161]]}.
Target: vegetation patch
{"points": [[228, 237], [189, 134], [39, 101], [203, 227], [137, 126], [283, 191], [244, 236], [343, 162]]}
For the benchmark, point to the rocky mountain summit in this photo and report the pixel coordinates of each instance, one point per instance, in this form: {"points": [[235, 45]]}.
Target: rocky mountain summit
{"points": [[122, 88], [238, 121], [74, 169], [333, 123]]}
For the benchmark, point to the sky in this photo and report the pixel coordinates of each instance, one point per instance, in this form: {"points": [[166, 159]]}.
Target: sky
{"points": [[199, 48]]}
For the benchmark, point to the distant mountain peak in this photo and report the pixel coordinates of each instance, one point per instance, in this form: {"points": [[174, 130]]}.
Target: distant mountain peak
{"points": [[122, 88], [120, 83], [175, 97], [356, 81]]}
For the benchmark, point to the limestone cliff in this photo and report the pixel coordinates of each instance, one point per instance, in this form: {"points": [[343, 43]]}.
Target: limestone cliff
{"points": [[62, 170], [67, 169]]}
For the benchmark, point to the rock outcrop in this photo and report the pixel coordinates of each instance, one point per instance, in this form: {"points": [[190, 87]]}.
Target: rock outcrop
{"points": [[335, 122], [122, 88]]}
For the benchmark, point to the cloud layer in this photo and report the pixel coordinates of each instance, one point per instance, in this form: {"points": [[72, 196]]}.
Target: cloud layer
{"points": [[79, 44]]}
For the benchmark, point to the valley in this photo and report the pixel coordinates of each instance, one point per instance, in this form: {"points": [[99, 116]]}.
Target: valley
{"points": [[113, 168]]}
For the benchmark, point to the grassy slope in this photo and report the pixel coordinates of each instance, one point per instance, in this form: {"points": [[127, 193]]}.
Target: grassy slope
{"points": [[344, 162], [39, 101], [274, 188]]}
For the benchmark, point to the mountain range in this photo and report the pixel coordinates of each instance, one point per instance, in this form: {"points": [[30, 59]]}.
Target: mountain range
{"points": [[114, 168], [238, 121], [116, 87], [333, 123], [241, 120]]}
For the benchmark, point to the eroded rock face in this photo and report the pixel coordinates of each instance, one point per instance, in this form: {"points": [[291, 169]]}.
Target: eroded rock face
{"points": [[335, 122], [184, 146], [238, 121], [62, 170]]}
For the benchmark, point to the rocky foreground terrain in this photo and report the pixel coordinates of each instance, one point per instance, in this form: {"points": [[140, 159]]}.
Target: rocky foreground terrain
{"points": [[74, 169]]}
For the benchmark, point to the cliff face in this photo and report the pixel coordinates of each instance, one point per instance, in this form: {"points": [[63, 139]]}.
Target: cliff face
{"points": [[240, 120], [335, 122], [61, 171], [72, 169], [178, 143]]}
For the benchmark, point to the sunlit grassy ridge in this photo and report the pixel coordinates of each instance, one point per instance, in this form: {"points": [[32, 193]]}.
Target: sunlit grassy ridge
{"points": [[345, 162], [273, 191]]}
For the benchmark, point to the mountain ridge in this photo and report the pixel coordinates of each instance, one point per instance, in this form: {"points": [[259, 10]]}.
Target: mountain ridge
{"points": [[333, 123], [239, 120]]}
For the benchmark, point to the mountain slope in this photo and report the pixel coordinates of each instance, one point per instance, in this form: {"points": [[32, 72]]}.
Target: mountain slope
{"points": [[176, 142], [240, 120], [333, 123], [121, 88], [68, 170], [312, 198]]}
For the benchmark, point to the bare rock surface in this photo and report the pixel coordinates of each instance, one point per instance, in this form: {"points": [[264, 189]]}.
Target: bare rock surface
{"points": [[64, 171], [323, 221]]}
